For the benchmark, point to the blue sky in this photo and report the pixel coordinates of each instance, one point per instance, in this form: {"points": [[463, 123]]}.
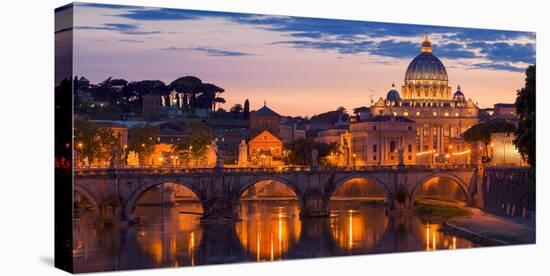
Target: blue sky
{"points": [[267, 57]]}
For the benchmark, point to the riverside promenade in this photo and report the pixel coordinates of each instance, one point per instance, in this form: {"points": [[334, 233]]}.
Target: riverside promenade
{"points": [[492, 229]]}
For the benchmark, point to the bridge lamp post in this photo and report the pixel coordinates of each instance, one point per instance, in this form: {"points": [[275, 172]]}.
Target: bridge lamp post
{"points": [[354, 157], [160, 161], [80, 145], [448, 155], [124, 149]]}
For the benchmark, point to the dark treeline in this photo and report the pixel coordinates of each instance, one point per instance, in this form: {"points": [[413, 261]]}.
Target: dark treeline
{"points": [[127, 94], [120, 96]]}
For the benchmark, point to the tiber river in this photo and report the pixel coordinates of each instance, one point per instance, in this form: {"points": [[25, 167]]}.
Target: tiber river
{"points": [[270, 230]]}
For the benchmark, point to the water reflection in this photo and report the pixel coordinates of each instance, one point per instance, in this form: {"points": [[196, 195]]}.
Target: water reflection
{"points": [[169, 237], [270, 230], [357, 228]]}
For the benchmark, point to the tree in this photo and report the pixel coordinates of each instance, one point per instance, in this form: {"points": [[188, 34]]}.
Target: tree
{"points": [[210, 96], [246, 110], [482, 132], [136, 89], [142, 140], [119, 82], [218, 101], [195, 146], [526, 110], [182, 149], [299, 151], [330, 117], [190, 86], [93, 142], [341, 110], [109, 90], [236, 110]]}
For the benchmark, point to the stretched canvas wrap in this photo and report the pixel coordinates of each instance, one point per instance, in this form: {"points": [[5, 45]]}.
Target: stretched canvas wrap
{"points": [[188, 137]]}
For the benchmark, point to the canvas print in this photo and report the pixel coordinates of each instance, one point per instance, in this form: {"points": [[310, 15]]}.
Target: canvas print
{"points": [[187, 137]]}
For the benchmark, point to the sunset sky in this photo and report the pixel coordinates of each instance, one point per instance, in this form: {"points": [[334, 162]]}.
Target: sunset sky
{"points": [[300, 66]]}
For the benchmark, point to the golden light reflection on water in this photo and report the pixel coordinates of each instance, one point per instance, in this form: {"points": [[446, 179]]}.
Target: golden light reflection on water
{"points": [[268, 231], [165, 236], [434, 239], [357, 230]]}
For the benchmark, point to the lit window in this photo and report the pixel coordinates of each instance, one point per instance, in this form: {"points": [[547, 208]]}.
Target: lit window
{"points": [[435, 113], [457, 114], [394, 113], [417, 113], [405, 113], [446, 113]]}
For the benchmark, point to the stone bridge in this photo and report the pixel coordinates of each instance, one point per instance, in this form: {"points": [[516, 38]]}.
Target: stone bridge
{"points": [[219, 189]]}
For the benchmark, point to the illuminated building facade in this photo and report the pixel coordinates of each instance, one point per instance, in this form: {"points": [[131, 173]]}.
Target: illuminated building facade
{"points": [[378, 140], [441, 117], [503, 152], [266, 149]]}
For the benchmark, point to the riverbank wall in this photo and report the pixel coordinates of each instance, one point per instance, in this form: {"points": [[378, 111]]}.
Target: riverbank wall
{"points": [[509, 191]]}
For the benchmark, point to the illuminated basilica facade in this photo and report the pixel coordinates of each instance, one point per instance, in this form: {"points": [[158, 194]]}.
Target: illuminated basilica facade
{"points": [[426, 98]]}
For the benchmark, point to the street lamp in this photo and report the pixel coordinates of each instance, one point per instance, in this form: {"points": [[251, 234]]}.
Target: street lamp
{"points": [[79, 157], [354, 157]]}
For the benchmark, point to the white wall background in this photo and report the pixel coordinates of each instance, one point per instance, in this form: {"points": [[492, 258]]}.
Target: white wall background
{"points": [[26, 135]]}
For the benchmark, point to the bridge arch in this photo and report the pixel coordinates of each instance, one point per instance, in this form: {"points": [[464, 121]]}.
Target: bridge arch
{"points": [[249, 183], [89, 195], [128, 211], [461, 183], [341, 181]]}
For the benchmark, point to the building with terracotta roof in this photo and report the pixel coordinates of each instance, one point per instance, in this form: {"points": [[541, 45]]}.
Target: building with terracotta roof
{"points": [[265, 149]]}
